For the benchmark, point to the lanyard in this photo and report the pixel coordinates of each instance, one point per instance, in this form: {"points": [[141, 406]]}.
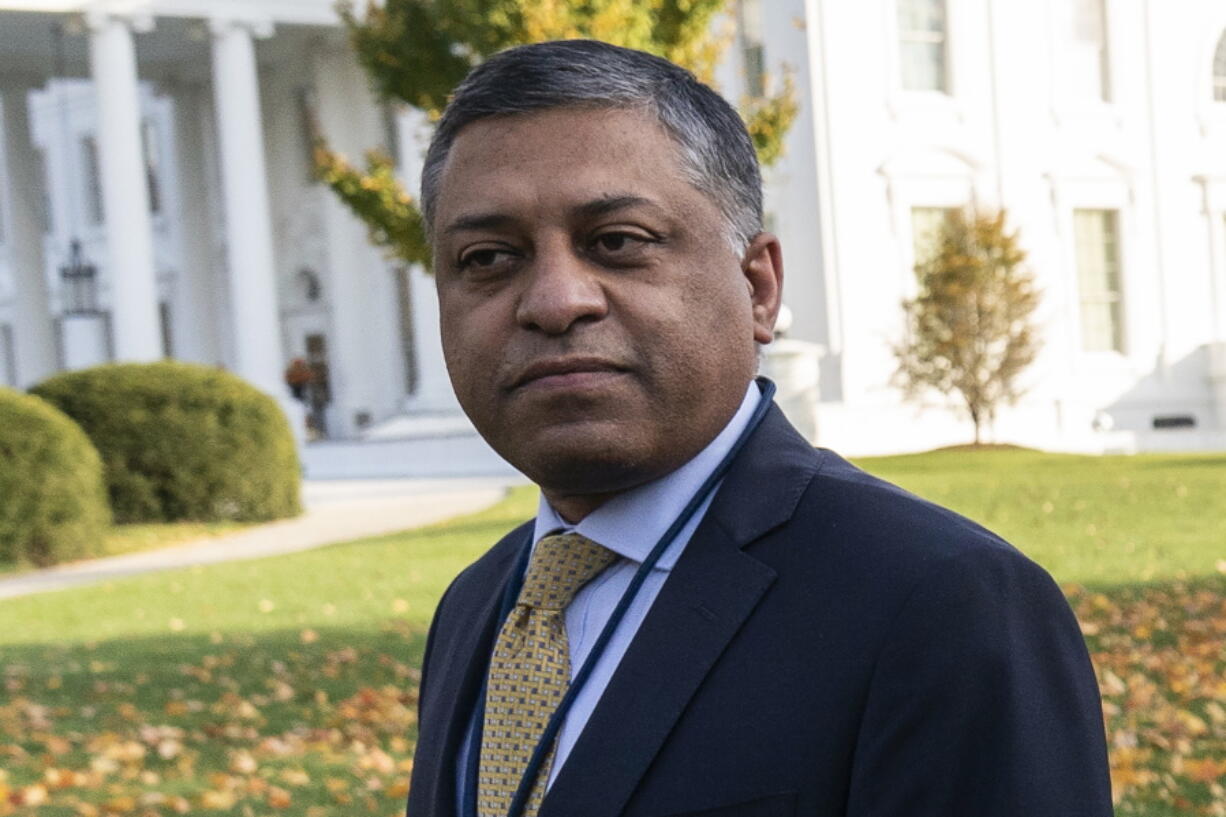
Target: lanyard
{"points": [[619, 612]]}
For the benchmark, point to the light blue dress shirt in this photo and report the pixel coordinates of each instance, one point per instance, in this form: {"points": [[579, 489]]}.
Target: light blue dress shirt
{"points": [[630, 524]]}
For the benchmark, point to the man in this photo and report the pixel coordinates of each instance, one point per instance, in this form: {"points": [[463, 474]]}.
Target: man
{"points": [[812, 641]]}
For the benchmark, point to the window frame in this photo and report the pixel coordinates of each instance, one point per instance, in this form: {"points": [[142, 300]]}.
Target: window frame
{"points": [[751, 42], [1067, 107], [1114, 299], [923, 37], [1210, 110], [1217, 71], [94, 202], [945, 211], [8, 353], [1105, 92], [1099, 182]]}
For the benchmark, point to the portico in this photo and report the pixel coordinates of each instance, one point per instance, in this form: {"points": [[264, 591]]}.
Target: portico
{"points": [[229, 254]]}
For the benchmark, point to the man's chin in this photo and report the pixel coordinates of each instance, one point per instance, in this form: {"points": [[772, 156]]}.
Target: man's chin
{"points": [[583, 458]]}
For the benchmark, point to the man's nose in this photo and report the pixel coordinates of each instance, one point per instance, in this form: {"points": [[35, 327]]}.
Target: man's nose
{"points": [[561, 290]]}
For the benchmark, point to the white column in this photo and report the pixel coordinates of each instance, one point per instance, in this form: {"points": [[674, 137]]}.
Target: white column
{"points": [[125, 198], [434, 392], [248, 221], [33, 330], [197, 309]]}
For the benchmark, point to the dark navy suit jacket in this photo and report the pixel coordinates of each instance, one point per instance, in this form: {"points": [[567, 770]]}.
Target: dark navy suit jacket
{"points": [[827, 644]]}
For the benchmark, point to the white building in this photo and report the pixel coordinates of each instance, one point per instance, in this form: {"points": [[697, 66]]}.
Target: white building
{"points": [[170, 140]]}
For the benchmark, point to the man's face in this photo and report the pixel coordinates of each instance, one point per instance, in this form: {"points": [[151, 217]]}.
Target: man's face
{"points": [[598, 327]]}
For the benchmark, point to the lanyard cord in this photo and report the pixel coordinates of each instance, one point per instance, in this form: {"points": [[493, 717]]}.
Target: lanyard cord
{"points": [[554, 725]]}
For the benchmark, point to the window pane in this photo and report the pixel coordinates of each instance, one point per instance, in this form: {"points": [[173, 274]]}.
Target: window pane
{"points": [[153, 164], [1219, 70], [751, 20], [1088, 76], [753, 48], [922, 40], [1088, 21], [44, 199], [93, 181], [1096, 236], [926, 225], [2, 159], [308, 129], [921, 15], [755, 70], [923, 66], [8, 356]]}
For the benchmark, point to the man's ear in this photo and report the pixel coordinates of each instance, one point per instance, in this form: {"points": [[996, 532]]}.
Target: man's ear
{"points": [[762, 266]]}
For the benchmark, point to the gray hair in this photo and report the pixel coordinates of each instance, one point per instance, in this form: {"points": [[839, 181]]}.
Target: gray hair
{"points": [[717, 155]]}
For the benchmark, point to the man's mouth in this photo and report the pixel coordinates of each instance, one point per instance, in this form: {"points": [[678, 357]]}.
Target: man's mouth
{"points": [[567, 372]]}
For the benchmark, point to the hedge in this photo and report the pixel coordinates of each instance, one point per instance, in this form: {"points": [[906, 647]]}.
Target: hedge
{"points": [[52, 498], [183, 442]]}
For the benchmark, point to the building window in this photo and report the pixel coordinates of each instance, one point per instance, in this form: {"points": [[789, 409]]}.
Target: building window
{"points": [[44, 198], [1089, 76], [1096, 233], [3, 185], [8, 356], [391, 133], [153, 164], [926, 224], [93, 181], [1219, 70], [922, 42], [404, 302], [753, 47], [166, 328], [309, 130]]}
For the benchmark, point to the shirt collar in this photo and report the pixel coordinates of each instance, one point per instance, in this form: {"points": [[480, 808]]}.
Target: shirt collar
{"points": [[631, 523]]}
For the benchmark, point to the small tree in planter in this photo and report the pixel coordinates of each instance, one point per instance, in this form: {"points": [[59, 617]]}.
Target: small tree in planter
{"points": [[970, 328]]}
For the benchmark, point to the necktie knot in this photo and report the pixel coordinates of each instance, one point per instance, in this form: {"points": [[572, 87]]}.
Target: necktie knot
{"points": [[561, 565]]}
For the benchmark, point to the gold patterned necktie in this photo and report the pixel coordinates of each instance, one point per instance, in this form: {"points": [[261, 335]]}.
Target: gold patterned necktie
{"points": [[530, 669]]}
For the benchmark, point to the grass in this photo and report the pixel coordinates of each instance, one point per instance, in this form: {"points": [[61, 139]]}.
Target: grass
{"points": [[1097, 521], [288, 685]]}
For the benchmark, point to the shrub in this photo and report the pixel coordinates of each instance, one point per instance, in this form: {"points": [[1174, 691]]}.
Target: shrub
{"points": [[183, 442], [52, 497]]}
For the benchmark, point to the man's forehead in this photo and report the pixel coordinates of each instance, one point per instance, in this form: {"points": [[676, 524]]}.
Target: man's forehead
{"points": [[597, 135], [581, 160]]}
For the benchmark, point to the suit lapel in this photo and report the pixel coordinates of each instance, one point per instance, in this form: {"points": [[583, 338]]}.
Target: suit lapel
{"points": [[713, 589]]}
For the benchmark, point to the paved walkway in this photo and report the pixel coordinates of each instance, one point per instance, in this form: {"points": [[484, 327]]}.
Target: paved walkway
{"points": [[336, 511]]}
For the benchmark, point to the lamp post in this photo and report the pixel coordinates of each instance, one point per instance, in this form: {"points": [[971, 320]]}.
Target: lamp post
{"points": [[80, 281]]}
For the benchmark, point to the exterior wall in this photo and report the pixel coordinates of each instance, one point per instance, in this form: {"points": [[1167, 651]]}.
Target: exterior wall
{"points": [[861, 155], [1008, 133]]}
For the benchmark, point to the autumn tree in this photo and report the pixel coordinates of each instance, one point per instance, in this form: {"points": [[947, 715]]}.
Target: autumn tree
{"points": [[970, 328], [416, 51]]}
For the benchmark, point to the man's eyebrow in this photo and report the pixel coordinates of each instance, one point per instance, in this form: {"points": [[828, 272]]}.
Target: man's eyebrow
{"points": [[479, 221], [611, 204], [590, 209]]}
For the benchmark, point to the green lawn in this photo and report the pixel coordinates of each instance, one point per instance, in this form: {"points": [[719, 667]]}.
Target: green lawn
{"points": [[287, 685], [1097, 521]]}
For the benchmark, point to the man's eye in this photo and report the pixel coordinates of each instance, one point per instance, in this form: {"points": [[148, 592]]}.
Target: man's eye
{"points": [[485, 257], [619, 242]]}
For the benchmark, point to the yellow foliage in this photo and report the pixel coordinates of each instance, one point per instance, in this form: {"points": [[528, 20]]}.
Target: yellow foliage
{"points": [[417, 50]]}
